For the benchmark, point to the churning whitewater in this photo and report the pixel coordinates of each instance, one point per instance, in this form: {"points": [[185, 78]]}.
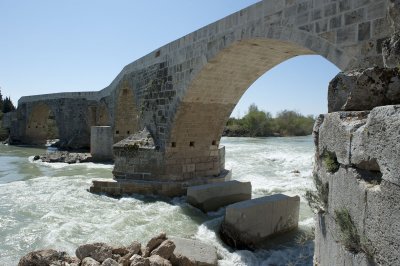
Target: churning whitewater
{"points": [[48, 206]]}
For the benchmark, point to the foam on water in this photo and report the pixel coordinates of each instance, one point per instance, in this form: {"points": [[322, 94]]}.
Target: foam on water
{"points": [[47, 205], [64, 165]]}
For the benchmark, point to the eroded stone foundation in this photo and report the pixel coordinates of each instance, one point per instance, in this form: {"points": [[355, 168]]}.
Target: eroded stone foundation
{"points": [[366, 184]]}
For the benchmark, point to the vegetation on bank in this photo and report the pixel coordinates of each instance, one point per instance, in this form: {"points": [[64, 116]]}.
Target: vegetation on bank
{"points": [[6, 105], [258, 123]]}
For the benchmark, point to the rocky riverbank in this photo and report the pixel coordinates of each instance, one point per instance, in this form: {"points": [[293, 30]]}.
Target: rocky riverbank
{"points": [[64, 157], [159, 251]]}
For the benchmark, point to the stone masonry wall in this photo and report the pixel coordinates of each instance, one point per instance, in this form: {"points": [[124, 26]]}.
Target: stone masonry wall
{"points": [[357, 172], [357, 155]]}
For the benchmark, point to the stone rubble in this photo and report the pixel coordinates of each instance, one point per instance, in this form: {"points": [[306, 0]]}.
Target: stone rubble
{"points": [[64, 157], [159, 251]]}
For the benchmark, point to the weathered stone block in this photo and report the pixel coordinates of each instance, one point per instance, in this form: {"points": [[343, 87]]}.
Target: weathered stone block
{"points": [[330, 9], [193, 252], [344, 5], [346, 35], [247, 223], [394, 13], [211, 197], [376, 145], [367, 186], [364, 31], [360, 90], [376, 10], [335, 134], [354, 16], [335, 22], [101, 142], [391, 51]]}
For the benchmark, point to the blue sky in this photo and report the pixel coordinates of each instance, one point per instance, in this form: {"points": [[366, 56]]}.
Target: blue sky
{"points": [[49, 46]]}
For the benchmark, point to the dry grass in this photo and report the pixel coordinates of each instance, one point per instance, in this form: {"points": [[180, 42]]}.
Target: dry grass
{"points": [[318, 200]]}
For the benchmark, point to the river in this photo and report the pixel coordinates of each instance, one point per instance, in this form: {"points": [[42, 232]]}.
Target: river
{"points": [[48, 206]]}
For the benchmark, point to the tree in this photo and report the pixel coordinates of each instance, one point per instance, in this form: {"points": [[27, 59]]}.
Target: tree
{"points": [[1, 101], [292, 123], [8, 106], [258, 123]]}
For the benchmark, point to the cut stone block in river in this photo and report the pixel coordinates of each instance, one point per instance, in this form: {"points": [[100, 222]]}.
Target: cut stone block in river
{"points": [[250, 222], [211, 197]]}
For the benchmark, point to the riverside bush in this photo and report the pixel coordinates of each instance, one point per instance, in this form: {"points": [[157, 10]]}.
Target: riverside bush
{"points": [[258, 123]]}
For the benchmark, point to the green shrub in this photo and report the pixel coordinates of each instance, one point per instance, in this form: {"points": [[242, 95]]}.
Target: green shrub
{"points": [[258, 123], [330, 161]]}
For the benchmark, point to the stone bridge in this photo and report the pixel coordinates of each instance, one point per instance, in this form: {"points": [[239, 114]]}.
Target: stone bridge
{"points": [[184, 92]]}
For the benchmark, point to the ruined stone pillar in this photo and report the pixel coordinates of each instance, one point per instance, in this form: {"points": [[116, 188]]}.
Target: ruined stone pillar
{"points": [[101, 142]]}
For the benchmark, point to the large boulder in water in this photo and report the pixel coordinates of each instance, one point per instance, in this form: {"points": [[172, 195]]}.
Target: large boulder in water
{"points": [[47, 257], [249, 223], [211, 197]]}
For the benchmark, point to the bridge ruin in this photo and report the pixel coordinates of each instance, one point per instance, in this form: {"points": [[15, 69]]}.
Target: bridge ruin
{"points": [[184, 92], [167, 111]]}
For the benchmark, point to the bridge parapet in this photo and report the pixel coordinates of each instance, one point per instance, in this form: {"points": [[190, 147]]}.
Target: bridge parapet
{"points": [[88, 95]]}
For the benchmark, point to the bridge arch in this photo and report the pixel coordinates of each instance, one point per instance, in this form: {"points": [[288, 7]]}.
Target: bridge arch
{"points": [[42, 125], [216, 88]]}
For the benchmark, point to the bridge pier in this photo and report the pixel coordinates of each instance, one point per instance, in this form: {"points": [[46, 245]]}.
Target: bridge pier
{"points": [[141, 167]]}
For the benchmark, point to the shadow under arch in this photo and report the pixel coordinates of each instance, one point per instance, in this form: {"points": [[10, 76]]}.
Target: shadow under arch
{"points": [[217, 86], [42, 125], [126, 112], [103, 115]]}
